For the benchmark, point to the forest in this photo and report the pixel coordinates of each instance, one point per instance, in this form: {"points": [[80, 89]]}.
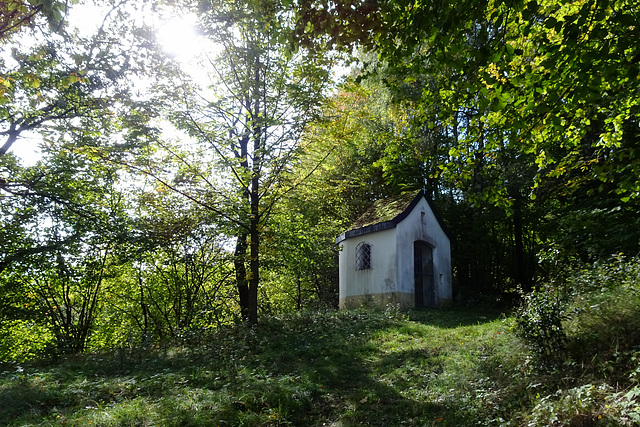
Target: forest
{"points": [[172, 195], [152, 194]]}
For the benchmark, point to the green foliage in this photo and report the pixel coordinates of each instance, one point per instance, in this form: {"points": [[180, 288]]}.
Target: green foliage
{"points": [[585, 308], [63, 87], [425, 367], [300, 256], [510, 106], [247, 126], [520, 119], [585, 333], [577, 230], [16, 15], [579, 406], [606, 307], [627, 404], [184, 288], [24, 340], [336, 24], [62, 221], [540, 323], [512, 70]]}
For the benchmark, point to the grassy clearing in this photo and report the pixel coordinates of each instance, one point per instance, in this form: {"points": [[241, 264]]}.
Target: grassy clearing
{"points": [[454, 367], [347, 368]]}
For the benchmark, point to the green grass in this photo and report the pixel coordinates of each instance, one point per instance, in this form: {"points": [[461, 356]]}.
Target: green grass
{"points": [[455, 367]]}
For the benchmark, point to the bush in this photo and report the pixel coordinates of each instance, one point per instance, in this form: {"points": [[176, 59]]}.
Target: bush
{"points": [[605, 326], [539, 321], [21, 341], [591, 318]]}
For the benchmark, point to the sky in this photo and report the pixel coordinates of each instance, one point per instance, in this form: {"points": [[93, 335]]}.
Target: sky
{"points": [[177, 35]]}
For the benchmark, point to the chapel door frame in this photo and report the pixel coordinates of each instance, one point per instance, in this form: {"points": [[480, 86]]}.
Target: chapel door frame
{"points": [[424, 277]]}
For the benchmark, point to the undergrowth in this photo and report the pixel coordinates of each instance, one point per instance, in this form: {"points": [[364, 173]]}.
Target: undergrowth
{"points": [[457, 367], [310, 368], [584, 336]]}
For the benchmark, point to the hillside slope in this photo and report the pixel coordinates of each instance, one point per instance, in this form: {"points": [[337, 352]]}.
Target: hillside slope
{"points": [[455, 367]]}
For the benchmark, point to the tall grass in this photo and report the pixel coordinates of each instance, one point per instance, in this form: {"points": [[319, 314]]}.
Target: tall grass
{"points": [[457, 367]]}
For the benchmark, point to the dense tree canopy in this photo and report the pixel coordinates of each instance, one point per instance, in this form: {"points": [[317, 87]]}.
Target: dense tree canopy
{"points": [[177, 195], [554, 80]]}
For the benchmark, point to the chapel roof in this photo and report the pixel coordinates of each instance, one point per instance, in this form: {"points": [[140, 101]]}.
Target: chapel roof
{"points": [[385, 210], [387, 213]]}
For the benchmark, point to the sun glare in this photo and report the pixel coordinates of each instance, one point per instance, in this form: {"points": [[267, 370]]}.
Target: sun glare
{"points": [[179, 38], [27, 149]]}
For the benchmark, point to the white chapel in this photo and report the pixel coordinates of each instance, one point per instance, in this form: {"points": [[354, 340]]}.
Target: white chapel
{"points": [[399, 253]]}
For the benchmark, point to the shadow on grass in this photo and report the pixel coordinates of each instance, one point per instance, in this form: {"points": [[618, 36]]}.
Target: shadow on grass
{"points": [[305, 369], [459, 315], [20, 398]]}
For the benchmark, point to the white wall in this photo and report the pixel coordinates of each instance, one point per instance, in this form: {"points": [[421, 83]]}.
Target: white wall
{"points": [[421, 224], [381, 277], [391, 273]]}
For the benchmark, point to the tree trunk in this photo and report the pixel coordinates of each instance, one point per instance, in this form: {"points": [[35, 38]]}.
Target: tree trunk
{"points": [[143, 305], [298, 293], [254, 262], [241, 275], [521, 269]]}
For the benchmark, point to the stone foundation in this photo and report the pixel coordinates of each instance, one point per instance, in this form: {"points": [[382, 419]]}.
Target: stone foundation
{"points": [[402, 300]]}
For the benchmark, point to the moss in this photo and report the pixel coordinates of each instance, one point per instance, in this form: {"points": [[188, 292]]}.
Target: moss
{"points": [[385, 210]]}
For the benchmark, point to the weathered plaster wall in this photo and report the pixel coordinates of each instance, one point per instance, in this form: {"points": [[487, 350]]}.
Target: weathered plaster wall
{"points": [[379, 279], [422, 224], [391, 278]]}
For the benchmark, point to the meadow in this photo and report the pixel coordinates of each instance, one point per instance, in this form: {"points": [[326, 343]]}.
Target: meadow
{"points": [[568, 354], [455, 367]]}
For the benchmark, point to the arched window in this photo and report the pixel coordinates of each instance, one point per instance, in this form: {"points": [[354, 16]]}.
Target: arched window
{"points": [[363, 256]]}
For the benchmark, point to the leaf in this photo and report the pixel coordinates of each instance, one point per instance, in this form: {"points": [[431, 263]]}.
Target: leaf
{"points": [[509, 50]]}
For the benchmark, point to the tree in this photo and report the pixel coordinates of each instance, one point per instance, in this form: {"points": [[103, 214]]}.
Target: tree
{"points": [[75, 219], [62, 220], [74, 92], [262, 95], [184, 272], [17, 14], [548, 79], [61, 79]]}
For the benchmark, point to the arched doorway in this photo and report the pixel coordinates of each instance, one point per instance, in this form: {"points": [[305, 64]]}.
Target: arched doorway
{"points": [[423, 274]]}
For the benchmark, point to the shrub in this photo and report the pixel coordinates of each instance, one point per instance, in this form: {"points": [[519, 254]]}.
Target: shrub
{"points": [[591, 319], [21, 341], [539, 321], [604, 329]]}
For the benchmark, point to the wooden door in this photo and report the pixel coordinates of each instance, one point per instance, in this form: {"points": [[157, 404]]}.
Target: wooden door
{"points": [[423, 275]]}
